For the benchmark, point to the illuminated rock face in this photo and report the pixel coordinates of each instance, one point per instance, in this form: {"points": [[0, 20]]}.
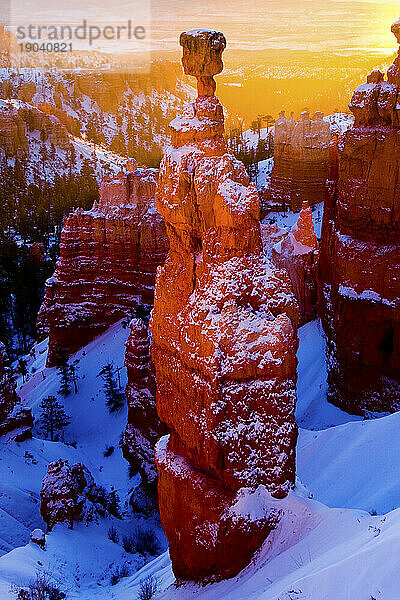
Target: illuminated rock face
{"points": [[107, 264], [298, 254], [224, 339], [301, 162], [360, 253]]}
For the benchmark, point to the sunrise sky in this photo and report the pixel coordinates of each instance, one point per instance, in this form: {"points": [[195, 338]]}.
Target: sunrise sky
{"points": [[316, 25]]}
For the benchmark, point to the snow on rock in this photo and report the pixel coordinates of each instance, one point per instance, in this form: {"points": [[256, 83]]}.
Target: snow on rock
{"points": [[224, 341], [360, 253], [81, 561]]}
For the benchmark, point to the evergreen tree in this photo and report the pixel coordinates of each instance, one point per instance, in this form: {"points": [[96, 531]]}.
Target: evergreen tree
{"points": [[64, 371], [115, 399], [113, 504], [53, 417]]}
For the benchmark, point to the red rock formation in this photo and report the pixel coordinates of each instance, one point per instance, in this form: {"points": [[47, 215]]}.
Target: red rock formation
{"points": [[301, 162], [360, 253], [107, 264], [144, 427], [298, 254], [69, 494], [224, 343], [14, 420]]}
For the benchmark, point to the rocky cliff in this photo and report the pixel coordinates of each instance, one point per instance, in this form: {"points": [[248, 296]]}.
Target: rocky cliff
{"points": [[14, 420], [360, 252], [107, 264], [224, 339], [144, 427], [298, 253], [301, 162]]}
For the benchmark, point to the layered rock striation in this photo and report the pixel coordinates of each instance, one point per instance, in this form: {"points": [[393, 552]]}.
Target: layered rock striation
{"points": [[298, 253], [360, 252], [108, 259], [301, 162], [224, 339]]}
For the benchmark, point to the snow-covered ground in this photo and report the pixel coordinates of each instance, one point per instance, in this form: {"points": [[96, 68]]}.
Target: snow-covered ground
{"points": [[329, 546], [82, 559]]}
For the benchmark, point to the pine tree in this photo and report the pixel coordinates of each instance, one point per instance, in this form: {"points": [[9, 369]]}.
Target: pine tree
{"points": [[113, 504], [65, 374], [53, 417], [115, 399]]}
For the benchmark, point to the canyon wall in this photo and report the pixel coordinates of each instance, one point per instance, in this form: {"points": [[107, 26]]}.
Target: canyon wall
{"points": [[224, 341], [144, 427], [107, 264], [14, 419], [298, 253], [360, 252], [301, 163]]}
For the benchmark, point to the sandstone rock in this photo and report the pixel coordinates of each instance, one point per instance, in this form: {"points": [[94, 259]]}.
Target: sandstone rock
{"points": [[107, 264], [301, 162], [15, 421], [12, 132], [224, 341], [360, 257], [144, 427], [298, 253], [69, 494]]}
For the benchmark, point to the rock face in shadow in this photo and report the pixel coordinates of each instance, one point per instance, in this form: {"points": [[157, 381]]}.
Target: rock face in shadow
{"points": [[144, 427], [108, 259], [14, 420], [301, 162], [298, 254], [224, 339], [360, 252]]}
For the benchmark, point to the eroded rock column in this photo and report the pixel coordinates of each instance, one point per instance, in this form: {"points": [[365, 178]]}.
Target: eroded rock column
{"points": [[360, 252], [224, 339]]}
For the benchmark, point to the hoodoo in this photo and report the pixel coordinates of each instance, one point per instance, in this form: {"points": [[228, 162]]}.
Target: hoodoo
{"points": [[224, 340], [108, 259], [301, 162], [360, 252]]}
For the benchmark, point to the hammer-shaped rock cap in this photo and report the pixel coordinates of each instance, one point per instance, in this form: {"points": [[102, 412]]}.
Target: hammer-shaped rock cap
{"points": [[396, 30], [202, 52]]}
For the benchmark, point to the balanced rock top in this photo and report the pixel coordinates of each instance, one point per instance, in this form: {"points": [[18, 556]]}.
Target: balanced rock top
{"points": [[202, 57], [396, 30]]}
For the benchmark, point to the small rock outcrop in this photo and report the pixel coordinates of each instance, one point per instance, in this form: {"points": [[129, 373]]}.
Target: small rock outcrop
{"points": [[360, 252], [14, 419], [298, 253], [301, 163], [108, 259], [69, 494], [38, 537], [224, 340]]}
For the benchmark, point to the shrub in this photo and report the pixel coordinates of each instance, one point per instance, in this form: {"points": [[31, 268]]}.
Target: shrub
{"points": [[148, 588], [118, 572], [129, 544], [108, 451], [41, 589], [146, 543], [113, 535]]}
